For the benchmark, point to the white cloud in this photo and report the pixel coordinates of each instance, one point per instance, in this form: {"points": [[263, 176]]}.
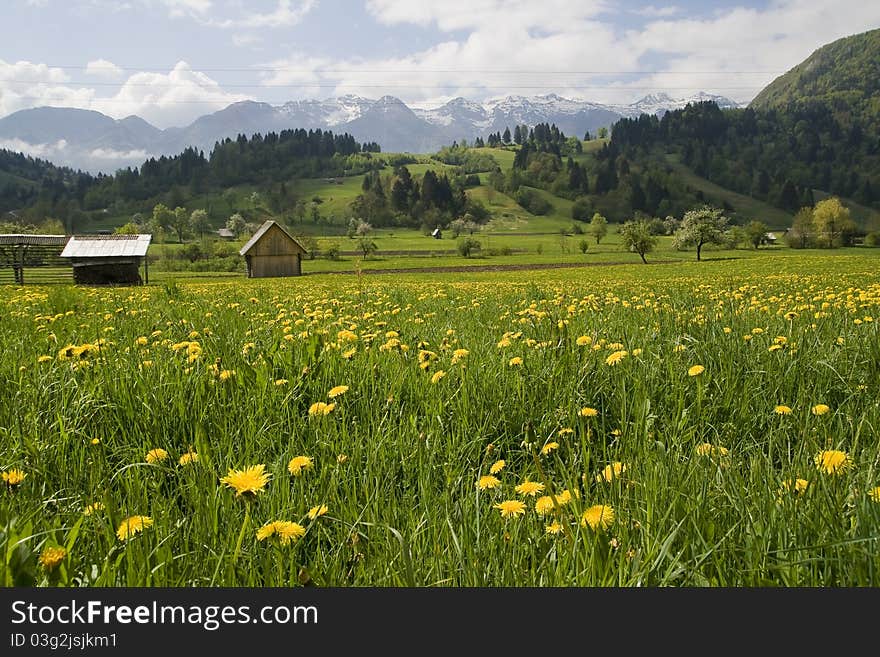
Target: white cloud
{"points": [[138, 155], [245, 40], [180, 8], [167, 100], [528, 48], [45, 151], [657, 12], [103, 69], [490, 15], [25, 84], [175, 98], [738, 52], [36, 3], [286, 13]]}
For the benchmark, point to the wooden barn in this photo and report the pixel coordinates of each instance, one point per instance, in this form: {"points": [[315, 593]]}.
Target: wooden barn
{"points": [[108, 259], [272, 251]]}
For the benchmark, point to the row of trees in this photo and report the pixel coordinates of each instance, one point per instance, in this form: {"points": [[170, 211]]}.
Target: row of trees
{"points": [[828, 224]]}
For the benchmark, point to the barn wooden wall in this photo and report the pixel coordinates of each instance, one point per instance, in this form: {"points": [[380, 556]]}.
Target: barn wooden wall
{"points": [[274, 265], [272, 256]]}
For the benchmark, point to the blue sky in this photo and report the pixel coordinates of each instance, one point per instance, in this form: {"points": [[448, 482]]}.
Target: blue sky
{"points": [[170, 61]]}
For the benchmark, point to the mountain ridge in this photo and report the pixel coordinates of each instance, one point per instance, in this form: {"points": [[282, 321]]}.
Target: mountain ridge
{"points": [[95, 142]]}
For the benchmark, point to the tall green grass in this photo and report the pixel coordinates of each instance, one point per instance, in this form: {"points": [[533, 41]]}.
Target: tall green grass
{"points": [[398, 459]]}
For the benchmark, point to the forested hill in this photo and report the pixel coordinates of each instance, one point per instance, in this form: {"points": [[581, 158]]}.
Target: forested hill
{"points": [[41, 189], [843, 77]]}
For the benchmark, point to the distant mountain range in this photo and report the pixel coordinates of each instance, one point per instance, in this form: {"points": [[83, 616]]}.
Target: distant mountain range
{"points": [[94, 142]]}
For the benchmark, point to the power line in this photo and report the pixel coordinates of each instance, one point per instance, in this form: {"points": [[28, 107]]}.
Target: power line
{"points": [[381, 85], [422, 70]]}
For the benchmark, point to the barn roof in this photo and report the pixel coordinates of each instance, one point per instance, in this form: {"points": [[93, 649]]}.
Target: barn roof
{"points": [[27, 238], [106, 246], [262, 230]]}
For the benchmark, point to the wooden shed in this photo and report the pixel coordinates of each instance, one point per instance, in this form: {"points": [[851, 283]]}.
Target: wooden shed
{"points": [[272, 251], [108, 259]]}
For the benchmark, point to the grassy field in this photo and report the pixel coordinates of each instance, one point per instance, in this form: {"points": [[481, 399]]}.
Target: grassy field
{"points": [[692, 424]]}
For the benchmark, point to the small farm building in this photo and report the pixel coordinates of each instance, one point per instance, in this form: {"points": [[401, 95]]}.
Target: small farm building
{"points": [[32, 259], [225, 234], [272, 251], [108, 259]]}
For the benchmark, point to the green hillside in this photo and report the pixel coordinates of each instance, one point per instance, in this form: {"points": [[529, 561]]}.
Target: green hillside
{"points": [[843, 75]]}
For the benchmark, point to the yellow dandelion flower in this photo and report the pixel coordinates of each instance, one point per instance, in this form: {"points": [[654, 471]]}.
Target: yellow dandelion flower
{"points": [[44, 359], [586, 411], [782, 409], [554, 528], [459, 354], [317, 511], [677, 349], [636, 352], [598, 517], [133, 525], [616, 357], [488, 481], [285, 530], [188, 458], [549, 447], [321, 408], [50, 557], [584, 340], [337, 391], [696, 370], [874, 493], [796, 486], [341, 458], [281, 382], [832, 461], [298, 464], [516, 361], [13, 477], [95, 441], [565, 496], [544, 505], [348, 355], [531, 488], [249, 481], [156, 455], [510, 508], [611, 471], [820, 409], [141, 341], [497, 467], [708, 449], [225, 375], [95, 507], [437, 376]]}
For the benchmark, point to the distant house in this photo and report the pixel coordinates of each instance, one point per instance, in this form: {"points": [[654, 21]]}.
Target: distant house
{"points": [[271, 252], [108, 259], [770, 238], [436, 234], [225, 233]]}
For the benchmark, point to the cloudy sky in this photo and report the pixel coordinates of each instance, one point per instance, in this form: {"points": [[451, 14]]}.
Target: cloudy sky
{"points": [[170, 61]]}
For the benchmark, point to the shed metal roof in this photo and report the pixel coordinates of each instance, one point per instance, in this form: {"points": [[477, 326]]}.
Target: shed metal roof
{"points": [[262, 231], [30, 239], [104, 246]]}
